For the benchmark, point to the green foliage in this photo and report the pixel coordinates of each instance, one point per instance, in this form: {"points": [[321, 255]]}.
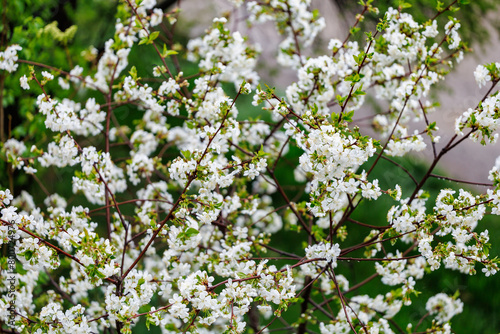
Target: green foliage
{"points": [[34, 24]]}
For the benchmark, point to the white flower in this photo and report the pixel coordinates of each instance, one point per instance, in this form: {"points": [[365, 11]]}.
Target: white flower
{"points": [[156, 17], [168, 87], [8, 58], [85, 259], [63, 83], [482, 75], [23, 81], [334, 44], [431, 30], [6, 197], [444, 306], [29, 170], [47, 75], [328, 251], [255, 169], [220, 19], [158, 70], [488, 271], [74, 73]]}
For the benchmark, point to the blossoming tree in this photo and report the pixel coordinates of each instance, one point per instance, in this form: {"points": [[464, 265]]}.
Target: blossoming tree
{"points": [[179, 204]]}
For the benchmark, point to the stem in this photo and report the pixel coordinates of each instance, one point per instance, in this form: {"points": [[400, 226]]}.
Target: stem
{"points": [[461, 181], [341, 296], [303, 306], [444, 10], [2, 115], [106, 149]]}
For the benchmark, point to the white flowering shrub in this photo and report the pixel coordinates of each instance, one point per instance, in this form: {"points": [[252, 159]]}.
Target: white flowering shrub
{"points": [[179, 208]]}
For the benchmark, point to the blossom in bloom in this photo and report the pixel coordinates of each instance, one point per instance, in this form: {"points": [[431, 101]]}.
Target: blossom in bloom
{"points": [[328, 251], [8, 58], [482, 75], [6, 196], [444, 307], [23, 81], [47, 75]]}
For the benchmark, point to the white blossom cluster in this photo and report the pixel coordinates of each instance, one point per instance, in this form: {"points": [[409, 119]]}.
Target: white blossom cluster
{"points": [[332, 157], [13, 149], [187, 213], [482, 121], [328, 252], [226, 56], [445, 307], [294, 20], [8, 58]]}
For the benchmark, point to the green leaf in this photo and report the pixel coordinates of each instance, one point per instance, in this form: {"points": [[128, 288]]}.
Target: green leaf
{"points": [[486, 250], [359, 91], [356, 77], [404, 5], [381, 25], [149, 40], [261, 152], [28, 255], [154, 35], [315, 13], [99, 274], [347, 117], [166, 52], [171, 52], [243, 275], [133, 72], [369, 35], [439, 6], [354, 30], [341, 99], [191, 232], [186, 154]]}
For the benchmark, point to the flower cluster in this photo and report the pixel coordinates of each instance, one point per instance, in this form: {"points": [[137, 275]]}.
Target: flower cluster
{"points": [[224, 55], [8, 58], [184, 199], [294, 20], [482, 121]]}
